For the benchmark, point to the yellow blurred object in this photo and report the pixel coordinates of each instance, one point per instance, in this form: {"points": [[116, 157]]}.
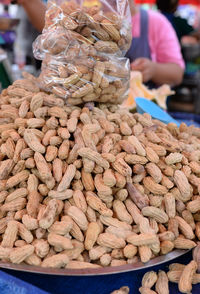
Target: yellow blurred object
{"points": [[138, 89], [91, 3], [161, 94]]}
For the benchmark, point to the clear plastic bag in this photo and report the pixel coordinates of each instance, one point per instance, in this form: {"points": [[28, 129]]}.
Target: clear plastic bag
{"points": [[83, 47]]}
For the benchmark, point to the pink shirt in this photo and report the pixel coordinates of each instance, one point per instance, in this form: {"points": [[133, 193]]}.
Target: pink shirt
{"points": [[163, 42]]}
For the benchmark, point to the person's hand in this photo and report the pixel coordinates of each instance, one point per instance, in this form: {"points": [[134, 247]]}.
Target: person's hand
{"points": [[188, 40], [146, 67]]}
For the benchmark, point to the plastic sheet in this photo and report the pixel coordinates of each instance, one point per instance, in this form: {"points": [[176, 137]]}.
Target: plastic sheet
{"points": [[83, 47]]}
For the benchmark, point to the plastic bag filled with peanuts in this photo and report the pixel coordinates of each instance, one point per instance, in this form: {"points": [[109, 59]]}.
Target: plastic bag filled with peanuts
{"points": [[82, 47]]}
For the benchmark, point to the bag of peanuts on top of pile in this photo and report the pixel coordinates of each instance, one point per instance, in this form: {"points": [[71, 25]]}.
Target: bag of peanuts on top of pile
{"points": [[82, 47]]}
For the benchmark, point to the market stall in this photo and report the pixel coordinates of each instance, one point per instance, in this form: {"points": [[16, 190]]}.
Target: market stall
{"points": [[94, 196], [186, 99]]}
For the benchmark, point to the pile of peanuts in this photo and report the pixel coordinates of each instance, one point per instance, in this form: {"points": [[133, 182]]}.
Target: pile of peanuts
{"points": [[184, 275], [83, 52], [94, 186]]}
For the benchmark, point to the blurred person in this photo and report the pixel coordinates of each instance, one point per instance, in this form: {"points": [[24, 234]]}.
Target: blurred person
{"points": [[155, 50], [31, 15], [169, 8], [7, 37], [26, 33], [35, 10]]}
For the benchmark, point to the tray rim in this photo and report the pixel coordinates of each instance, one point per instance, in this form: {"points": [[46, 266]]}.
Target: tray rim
{"points": [[92, 271]]}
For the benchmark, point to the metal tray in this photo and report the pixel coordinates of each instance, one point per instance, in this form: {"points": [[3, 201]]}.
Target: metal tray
{"points": [[94, 272]]}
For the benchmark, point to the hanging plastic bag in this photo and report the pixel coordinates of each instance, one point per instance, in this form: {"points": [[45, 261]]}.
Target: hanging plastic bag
{"points": [[82, 46]]}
